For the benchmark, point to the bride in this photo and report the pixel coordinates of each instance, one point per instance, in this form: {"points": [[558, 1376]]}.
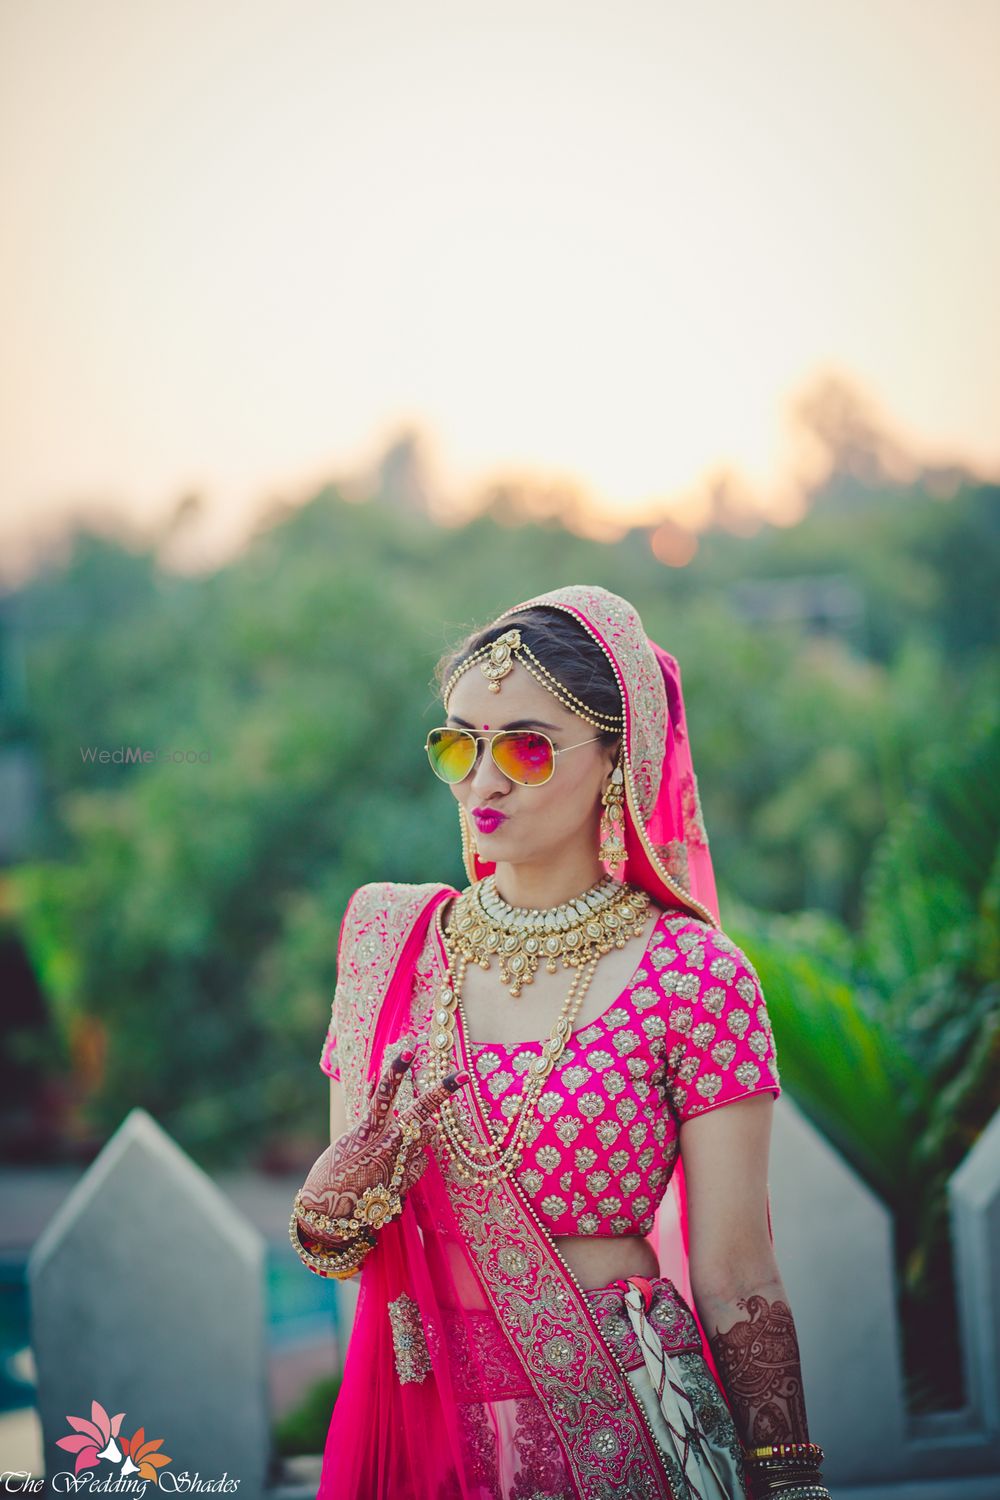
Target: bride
{"points": [[550, 1113]]}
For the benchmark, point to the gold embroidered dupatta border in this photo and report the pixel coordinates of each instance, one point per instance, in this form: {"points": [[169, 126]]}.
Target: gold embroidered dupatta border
{"points": [[606, 1439]]}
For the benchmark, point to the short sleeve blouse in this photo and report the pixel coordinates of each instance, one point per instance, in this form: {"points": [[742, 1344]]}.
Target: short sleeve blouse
{"points": [[721, 1045], [690, 1033], [328, 1059]]}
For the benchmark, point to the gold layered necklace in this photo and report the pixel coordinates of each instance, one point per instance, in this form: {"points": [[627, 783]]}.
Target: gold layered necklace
{"points": [[482, 924], [602, 918]]}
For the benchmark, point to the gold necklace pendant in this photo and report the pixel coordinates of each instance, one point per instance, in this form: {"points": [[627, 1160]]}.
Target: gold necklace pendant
{"points": [[605, 917]]}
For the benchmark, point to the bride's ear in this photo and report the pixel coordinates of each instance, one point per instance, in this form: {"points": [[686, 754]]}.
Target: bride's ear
{"points": [[611, 754]]}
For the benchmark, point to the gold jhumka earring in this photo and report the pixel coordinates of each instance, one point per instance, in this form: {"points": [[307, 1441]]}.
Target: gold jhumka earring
{"points": [[612, 839]]}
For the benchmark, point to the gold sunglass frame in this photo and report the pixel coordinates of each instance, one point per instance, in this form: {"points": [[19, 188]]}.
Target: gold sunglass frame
{"points": [[499, 734]]}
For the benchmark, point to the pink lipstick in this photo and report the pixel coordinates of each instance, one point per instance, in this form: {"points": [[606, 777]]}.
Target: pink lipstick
{"points": [[487, 820]]}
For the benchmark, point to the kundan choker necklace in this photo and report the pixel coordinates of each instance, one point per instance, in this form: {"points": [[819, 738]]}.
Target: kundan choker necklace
{"points": [[578, 932], [602, 918]]}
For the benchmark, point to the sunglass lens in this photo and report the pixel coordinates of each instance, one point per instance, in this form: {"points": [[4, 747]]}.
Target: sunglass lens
{"points": [[524, 756], [451, 753]]}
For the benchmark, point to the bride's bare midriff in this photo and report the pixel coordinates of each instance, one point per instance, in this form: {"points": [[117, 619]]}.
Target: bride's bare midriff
{"points": [[596, 1261]]}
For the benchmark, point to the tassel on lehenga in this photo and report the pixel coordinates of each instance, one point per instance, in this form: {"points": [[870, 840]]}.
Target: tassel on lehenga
{"points": [[689, 1414]]}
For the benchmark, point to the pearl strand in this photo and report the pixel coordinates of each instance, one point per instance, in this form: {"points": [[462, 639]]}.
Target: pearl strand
{"points": [[502, 1159]]}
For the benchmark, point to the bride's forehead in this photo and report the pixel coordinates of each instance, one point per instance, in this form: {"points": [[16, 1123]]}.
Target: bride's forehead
{"points": [[520, 696]]}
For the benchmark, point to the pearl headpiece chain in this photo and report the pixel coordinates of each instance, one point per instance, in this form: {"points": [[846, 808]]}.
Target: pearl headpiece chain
{"points": [[496, 659]]}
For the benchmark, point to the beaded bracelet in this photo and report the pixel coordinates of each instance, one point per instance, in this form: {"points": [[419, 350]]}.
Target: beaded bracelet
{"points": [[787, 1450], [803, 1492], [785, 1468], [322, 1254], [798, 1488], [376, 1206]]}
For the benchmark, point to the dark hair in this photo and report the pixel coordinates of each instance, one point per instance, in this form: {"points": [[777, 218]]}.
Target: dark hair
{"points": [[563, 646]]}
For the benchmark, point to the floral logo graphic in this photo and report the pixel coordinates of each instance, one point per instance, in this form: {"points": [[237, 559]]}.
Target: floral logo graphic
{"points": [[98, 1437]]}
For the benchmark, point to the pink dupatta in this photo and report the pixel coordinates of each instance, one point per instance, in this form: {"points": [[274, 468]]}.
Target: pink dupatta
{"points": [[476, 1369]]}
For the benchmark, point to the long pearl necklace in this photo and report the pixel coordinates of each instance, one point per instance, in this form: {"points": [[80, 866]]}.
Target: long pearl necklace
{"points": [[475, 1160], [472, 1158]]}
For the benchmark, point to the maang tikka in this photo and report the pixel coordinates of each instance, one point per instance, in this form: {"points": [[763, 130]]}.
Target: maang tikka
{"points": [[496, 659]]}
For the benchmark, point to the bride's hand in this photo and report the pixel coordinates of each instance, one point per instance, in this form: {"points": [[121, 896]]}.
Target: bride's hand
{"points": [[366, 1156]]}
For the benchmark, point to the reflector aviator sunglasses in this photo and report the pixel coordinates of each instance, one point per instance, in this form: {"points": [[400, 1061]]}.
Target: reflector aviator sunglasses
{"points": [[523, 755]]}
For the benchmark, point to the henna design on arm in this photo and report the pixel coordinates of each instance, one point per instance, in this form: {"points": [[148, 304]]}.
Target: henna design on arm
{"points": [[366, 1155], [758, 1363]]}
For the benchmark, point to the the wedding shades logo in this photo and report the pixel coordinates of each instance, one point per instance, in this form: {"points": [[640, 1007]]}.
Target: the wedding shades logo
{"points": [[99, 1438]]}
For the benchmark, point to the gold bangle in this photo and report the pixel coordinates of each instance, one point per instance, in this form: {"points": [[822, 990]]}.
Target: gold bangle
{"points": [[341, 1269], [376, 1206], [339, 1264], [320, 1250]]}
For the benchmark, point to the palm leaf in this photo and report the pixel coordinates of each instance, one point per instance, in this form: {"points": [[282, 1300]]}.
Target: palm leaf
{"points": [[834, 1055]]}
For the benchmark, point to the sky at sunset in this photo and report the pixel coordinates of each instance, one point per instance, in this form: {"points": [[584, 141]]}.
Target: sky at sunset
{"points": [[244, 243]]}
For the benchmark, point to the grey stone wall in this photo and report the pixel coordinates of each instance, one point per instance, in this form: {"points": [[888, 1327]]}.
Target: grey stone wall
{"points": [[147, 1296]]}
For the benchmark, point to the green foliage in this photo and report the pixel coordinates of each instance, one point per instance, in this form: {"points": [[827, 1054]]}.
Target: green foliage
{"points": [[890, 1038], [839, 1063], [304, 1430]]}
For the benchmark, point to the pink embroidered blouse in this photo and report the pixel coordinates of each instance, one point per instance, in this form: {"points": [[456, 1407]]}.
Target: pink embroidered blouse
{"points": [[690, 1033]]}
